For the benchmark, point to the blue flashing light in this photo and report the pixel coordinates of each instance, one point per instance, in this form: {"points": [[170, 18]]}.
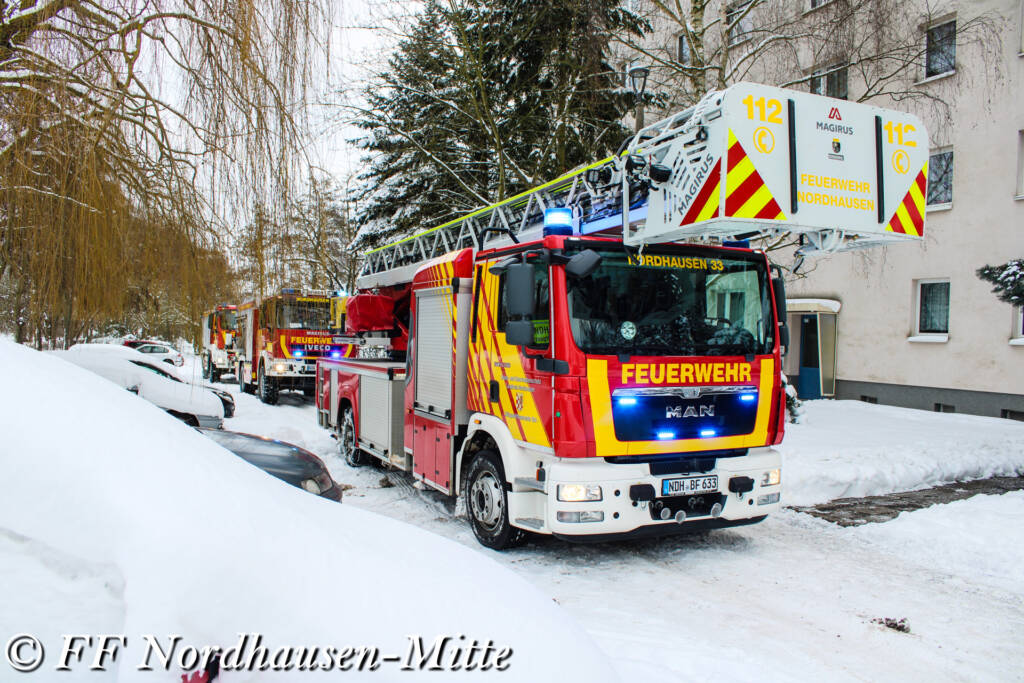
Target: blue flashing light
{"points": [[297, 353], [558, 220], [738, 244], [747, 398], [335, 354], [704, 433], [287, 290], [666, 435], [627, 401]]}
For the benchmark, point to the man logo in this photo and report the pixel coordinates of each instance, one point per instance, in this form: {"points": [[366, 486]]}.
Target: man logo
{"points": [[690, 411], [834, 114]]}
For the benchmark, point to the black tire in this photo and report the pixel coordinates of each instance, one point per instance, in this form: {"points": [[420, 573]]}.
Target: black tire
{"points": [[214, 375], [347, 440], [207, 365], [309, 392], [267, 388], [487, 503]]}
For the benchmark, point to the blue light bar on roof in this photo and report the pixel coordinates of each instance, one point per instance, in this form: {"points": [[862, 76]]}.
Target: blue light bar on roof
{"points": [[558, 220]]}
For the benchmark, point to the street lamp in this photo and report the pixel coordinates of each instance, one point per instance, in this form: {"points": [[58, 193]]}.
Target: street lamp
{"points": [[638, 82]]}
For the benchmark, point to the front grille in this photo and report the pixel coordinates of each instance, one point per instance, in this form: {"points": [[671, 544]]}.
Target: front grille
{"points": [[689, 413]]}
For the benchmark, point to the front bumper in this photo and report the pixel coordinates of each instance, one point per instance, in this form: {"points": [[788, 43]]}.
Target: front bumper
{"points": [[623, 516]]}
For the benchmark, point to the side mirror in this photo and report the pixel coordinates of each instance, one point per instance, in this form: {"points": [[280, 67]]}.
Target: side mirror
{"points": [[583, 264], [519, 291], [519, 332], [779, 285]]}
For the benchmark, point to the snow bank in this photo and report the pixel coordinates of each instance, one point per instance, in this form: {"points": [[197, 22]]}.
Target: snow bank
{"points": [[851, 448], [979, 537], [194, 541]]}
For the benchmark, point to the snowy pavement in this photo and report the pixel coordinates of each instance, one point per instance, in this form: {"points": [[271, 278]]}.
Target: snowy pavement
{"points": [[793, 598]]}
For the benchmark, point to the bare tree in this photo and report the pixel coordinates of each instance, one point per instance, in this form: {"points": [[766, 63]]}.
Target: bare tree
{"points": [[186, 114]]}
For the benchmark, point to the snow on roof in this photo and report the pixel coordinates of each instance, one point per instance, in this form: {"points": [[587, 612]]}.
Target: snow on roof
{"points": [[813, 305], [210, 547]]}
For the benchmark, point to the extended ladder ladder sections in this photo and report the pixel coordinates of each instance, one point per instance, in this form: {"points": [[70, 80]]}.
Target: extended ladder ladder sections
{"points": [[745, 162]]}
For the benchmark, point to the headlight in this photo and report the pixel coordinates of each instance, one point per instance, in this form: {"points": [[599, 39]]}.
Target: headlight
{"points": [[771, 478], [280, 367], [311, 486], [578, 493]]}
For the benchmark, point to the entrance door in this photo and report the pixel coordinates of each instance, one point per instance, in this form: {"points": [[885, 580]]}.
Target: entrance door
{"points": [[809, 380]]}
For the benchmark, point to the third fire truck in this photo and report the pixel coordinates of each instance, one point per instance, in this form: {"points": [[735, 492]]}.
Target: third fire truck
{"points": [[219, 327], [600, 357]]}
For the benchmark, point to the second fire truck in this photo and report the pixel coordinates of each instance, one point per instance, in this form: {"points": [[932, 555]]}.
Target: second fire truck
{"points": [[280, 338]]}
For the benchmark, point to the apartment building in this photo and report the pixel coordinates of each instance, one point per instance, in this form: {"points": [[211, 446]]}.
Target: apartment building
{"points": [[910, 324]]}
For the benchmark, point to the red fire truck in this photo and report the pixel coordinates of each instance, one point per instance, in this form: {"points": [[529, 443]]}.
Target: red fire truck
{"points": [[219, 341], [600, 357], [280, 338]]}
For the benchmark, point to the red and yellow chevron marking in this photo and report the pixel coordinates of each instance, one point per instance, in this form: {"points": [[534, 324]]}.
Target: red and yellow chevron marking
{"points": [[909, 216], [706, 203], [491, 358], [746, 195]]}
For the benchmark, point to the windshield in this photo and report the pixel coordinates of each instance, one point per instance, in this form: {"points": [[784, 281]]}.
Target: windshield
{"points": [[228, 320], [304, 314], [672, 303], [156, 371]]}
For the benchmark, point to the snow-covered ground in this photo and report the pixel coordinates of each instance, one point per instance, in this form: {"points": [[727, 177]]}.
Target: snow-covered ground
{"points": [[793, 598]]}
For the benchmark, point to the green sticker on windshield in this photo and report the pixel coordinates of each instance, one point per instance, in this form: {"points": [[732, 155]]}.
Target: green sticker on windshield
{"points": [[541, 332]]}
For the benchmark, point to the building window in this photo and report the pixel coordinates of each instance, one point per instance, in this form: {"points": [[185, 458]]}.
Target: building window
{"points": [[1018, 323], [940, 178], [940, 49], [683, 50], [932, 307], [737, 18], [944, 408], [831, 82], [869, 399], [1009, 414]]}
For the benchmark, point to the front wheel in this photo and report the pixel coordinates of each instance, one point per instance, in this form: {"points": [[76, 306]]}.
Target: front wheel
{"points": [[267, 388], [214, 374], [347, 440], [487, 503]]}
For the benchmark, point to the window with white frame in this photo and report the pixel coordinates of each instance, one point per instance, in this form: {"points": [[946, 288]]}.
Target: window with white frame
{"points": [[940, 178], [932, 307], [830, 81], [940, 49], [738, 19], [683, 50], [1018, 322]]}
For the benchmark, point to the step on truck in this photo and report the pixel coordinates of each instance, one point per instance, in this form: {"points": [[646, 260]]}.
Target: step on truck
{"points": [[599, 357], [280, 338], [218, 346]]}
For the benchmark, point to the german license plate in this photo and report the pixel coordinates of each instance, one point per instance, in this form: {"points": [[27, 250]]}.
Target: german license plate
{"points": [[688, 486]]}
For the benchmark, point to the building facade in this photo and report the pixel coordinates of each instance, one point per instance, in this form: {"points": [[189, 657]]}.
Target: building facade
{"points": [[909, 324]]}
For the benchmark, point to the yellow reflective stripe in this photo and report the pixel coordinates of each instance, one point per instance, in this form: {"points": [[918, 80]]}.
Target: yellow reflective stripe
{"points": [[757, 201]]}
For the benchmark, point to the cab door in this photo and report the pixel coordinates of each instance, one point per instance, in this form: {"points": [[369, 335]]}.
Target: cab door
{"points": [[505, 381]]}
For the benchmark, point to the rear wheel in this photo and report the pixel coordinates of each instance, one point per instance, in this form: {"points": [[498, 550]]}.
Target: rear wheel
{"points": [[242, 384], [214, 374], [487, 503], [347, 440], [267, 388], [207, 366]]}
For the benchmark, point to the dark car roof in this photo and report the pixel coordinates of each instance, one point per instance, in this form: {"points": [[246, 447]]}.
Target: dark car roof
{"points": [[276, 457]]}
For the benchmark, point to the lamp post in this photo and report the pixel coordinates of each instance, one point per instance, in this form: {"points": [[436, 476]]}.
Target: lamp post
{"points": [[638, 83]]}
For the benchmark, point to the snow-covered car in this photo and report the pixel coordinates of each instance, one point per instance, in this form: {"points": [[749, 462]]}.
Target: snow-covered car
{"points": [[162, 352], [122, 521], [195, 405], [281, 459]]}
